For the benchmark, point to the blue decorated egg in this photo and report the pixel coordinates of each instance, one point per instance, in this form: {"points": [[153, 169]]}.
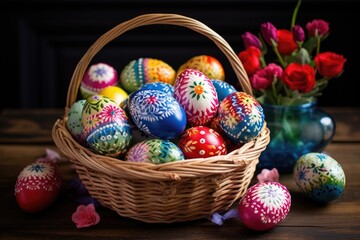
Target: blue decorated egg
{"points": [[157, 113], [105, 126], [222, 88], [319, 176], [154, 151], [74, 123], [241, 117], [164, 87], [145, 70], [197, 95]]}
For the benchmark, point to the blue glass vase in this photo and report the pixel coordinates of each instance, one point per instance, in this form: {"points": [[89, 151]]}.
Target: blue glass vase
{"points": [[294, 131]]}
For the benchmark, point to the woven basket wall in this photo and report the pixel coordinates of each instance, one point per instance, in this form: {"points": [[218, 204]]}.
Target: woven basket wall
{"points": [[170, 192]]}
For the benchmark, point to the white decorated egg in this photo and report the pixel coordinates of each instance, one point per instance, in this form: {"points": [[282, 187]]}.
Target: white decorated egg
{"points": [[241, 117], [157, 113], [319, 176], [38, 186], [145, 70], [74, 123], [98, 76], [155, 151], [264, 205], [197, 95], [105, 126]]}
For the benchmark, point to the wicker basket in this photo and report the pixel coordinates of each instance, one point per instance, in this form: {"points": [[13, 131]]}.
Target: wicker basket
{"points": [[170, 192]]}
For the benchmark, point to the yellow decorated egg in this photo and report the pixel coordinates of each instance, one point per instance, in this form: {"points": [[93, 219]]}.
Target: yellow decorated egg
{"points": [[208, 65], [115, 93], [146, 70]]}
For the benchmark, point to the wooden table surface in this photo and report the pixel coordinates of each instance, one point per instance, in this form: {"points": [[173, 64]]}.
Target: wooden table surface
{"points": [[26, 134]]}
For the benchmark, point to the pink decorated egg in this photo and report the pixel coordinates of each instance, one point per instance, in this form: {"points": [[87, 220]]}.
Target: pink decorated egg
{"points": [[264, 205], [105, 126], [201, 142], [197, 95], [146, 70], [38, 186], [241, 117], [97, 77], [206, 64]]}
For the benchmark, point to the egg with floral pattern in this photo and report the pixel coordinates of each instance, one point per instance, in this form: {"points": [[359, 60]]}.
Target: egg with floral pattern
{"points": [[157, 113], [197, 95], [201, 142], [38, 186], [105, 126], [164, 87], [206, 64], [74, 123], [241, 117], [98, 76], [319, 177], [264, 205], [155, 151], [145, 70]]}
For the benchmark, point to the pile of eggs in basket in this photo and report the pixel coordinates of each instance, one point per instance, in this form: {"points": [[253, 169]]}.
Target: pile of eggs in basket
{"points": [[152, 113]]}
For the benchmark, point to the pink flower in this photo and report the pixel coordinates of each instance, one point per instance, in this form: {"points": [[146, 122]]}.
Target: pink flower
{"points": [[298, 33], [263, 78], [85, 216], [317, 27], [267, 175]]}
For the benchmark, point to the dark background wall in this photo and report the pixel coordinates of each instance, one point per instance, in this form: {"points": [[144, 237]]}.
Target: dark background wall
{"points": [[42, 41]]}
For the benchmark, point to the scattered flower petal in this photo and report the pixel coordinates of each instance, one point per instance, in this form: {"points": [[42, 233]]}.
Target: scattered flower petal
{"points": [[267, 175], [85, 216]]}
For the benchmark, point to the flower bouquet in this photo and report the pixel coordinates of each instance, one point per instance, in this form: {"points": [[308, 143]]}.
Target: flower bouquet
{"points": [[288, 86]]}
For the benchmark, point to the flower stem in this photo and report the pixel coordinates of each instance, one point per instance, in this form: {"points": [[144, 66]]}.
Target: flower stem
{"points": [[317, 44], [281, 60], [293, 20]]}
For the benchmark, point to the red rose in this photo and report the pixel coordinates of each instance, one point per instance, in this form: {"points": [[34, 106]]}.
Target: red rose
{"points": [[250, 59], [329, 64], [299, 77], [286, 43]]}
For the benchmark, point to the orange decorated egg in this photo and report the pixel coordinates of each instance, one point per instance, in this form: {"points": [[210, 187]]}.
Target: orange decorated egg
{"points": [[208, 65]]}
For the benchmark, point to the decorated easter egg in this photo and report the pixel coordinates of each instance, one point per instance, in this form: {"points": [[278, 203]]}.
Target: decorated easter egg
{"points": [[197, 95], [137, 134], [97, 77], [115, 93], [164, 87], [105, 126], [222, 88], [201, 142], [74, 123], [241, 117], [157, 113], [206, 64], [155, 151], [144, 70], [38, 186], [319, 176], [264, 205]]}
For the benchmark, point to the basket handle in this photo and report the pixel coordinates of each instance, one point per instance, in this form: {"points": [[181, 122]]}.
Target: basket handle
{"points": [[148, 19]]}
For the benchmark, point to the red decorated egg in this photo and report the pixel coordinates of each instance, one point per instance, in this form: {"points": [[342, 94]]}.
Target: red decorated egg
{"points": [[197, 95], [206, 64], [264, 205], [241, 117], [96, 78], [201, 142], [37, 186]]}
